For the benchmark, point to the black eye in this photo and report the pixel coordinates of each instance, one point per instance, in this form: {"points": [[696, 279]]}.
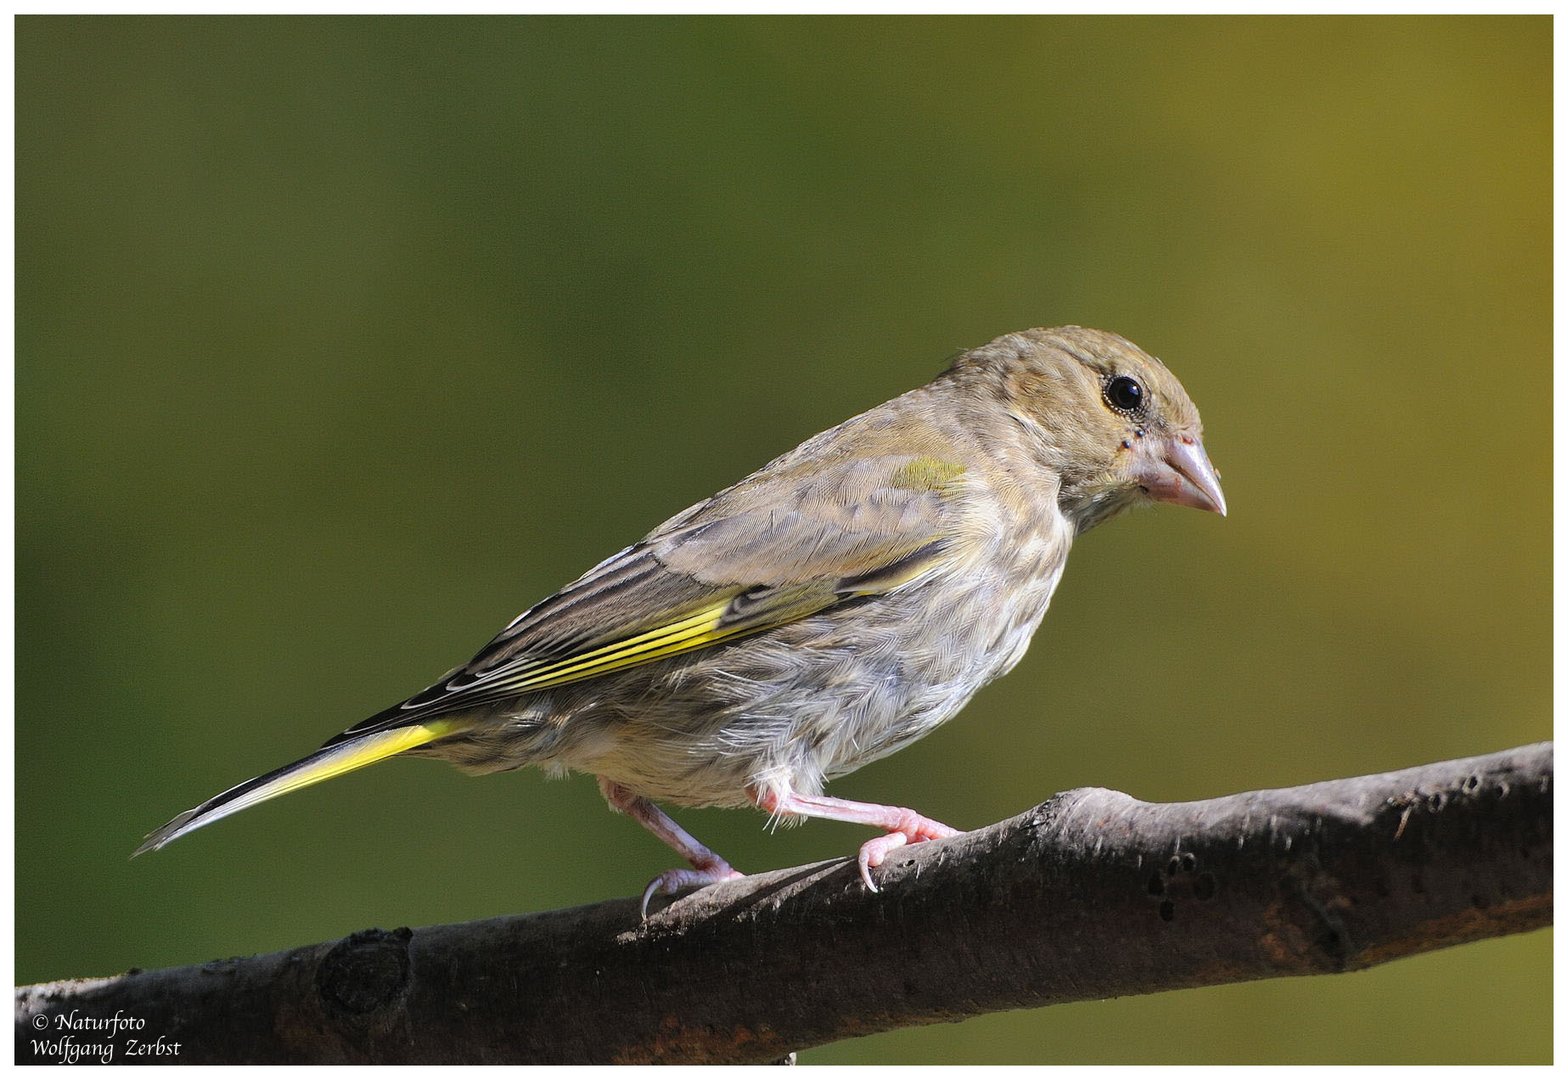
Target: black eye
{"points": [[1124, 394]]}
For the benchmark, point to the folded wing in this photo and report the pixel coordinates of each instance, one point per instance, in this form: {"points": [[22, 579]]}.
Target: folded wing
{"points": [[772, 550]]}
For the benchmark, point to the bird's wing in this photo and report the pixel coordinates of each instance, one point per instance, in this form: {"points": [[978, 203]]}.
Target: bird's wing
{"points": [[778, 547]]}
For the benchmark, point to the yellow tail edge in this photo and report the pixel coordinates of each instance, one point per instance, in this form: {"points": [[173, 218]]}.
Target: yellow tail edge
{"points": [[324, 764]]}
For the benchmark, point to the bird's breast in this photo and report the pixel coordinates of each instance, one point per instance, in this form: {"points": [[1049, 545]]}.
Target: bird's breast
{"points": [[935, 645]]}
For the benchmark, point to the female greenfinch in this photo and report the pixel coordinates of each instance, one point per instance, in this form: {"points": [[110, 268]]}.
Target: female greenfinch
{"points": [[832, 607]]}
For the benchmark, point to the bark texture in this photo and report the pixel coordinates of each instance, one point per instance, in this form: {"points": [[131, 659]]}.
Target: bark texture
{"points": [[1092, 894]]}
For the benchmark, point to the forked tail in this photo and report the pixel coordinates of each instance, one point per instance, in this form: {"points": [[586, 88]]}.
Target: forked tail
{"points": [[324, 764]]}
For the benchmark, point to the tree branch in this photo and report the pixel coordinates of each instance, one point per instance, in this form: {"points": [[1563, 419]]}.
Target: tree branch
{"points": [[1092, 894]]}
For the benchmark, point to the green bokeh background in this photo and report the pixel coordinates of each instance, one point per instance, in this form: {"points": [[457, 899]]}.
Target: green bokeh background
{"points": [[341, 341]]}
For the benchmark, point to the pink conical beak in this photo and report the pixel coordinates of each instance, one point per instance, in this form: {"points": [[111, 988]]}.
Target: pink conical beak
{"points": [[1178, 471]]}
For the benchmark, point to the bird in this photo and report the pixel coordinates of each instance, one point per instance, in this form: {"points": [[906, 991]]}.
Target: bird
{"points": [[829, 609]]}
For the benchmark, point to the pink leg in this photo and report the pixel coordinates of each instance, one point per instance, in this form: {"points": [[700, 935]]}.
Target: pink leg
{"points": [[707, 867], [903, 826]]}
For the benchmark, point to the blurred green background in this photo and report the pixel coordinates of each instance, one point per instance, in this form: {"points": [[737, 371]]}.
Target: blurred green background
{"points": [[341, 341]]}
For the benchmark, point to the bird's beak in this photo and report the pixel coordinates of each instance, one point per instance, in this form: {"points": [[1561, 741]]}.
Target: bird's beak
{"points": [[1177, 471]]}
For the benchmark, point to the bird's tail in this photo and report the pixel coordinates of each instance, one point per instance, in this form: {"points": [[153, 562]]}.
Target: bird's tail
{"points": [[324, 764]]}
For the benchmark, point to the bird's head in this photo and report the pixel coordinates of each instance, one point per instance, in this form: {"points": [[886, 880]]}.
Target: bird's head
{"points": [[1108, 419]]}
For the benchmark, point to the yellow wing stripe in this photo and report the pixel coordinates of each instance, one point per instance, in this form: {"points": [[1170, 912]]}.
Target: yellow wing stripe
{"points": [[705, 616], [692, 632], [708, 626]]}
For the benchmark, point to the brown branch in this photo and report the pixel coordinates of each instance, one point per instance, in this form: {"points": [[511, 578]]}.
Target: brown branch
{"points": [[1090, 895]]}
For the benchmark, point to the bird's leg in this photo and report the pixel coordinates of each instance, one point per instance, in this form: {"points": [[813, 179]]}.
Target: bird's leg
{"points": [[903, 826], [708, 867]]}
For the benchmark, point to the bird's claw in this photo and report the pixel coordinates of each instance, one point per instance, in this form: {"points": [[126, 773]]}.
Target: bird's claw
{"points": [[910, 830], [673, 881]]}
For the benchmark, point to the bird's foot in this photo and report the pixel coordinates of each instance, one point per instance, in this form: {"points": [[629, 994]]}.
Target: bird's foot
{"points": [[911, 828], [673, 881], [903, 825]]}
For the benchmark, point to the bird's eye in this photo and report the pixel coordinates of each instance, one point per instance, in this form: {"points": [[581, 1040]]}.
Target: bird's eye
{"points": [[1124, 394]]}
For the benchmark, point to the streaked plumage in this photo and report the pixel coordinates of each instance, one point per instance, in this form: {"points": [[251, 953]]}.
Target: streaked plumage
{"points": [[830, 608]]}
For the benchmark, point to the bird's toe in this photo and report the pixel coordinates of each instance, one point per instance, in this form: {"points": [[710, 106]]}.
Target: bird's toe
{"points": [[673, 881]]}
